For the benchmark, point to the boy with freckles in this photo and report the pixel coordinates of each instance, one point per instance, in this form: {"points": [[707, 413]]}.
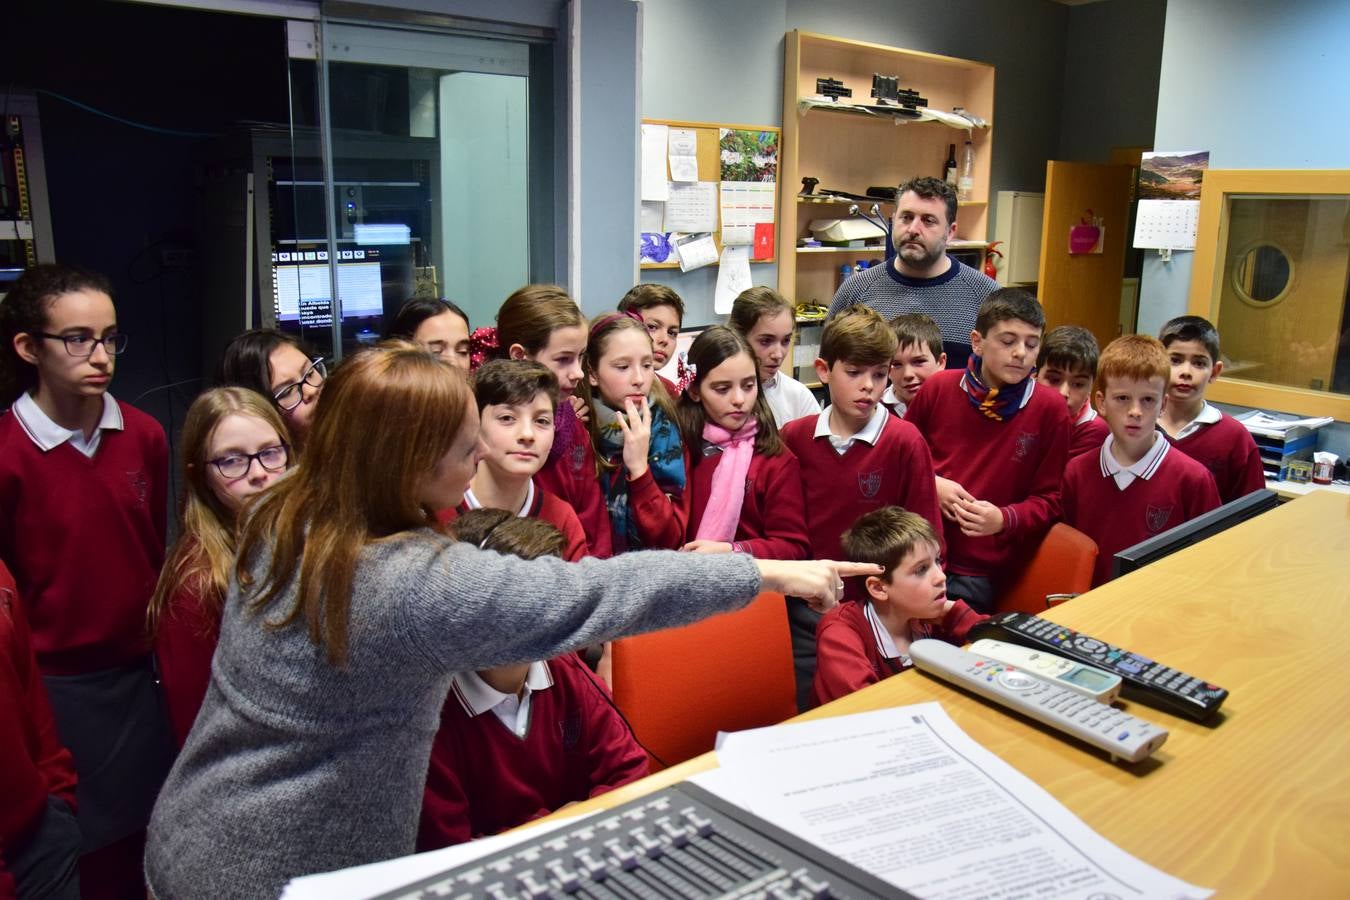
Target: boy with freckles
{"points": [[999, 442], [1137, 484]]}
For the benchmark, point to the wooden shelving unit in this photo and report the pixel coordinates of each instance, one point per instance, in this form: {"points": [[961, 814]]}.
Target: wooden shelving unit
{"points": [[852, 149]]}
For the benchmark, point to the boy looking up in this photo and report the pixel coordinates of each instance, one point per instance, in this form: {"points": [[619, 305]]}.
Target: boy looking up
{"points": [[855, 456], [1212, 438], [517, 400], [1068, 363], [861, 642], [516, 742], [1137, 484], [999, 443], [918, 354]]}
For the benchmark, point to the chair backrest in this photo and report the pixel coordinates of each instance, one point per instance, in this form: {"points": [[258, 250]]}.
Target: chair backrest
{"points": [[679, 687], [1062, 564]]}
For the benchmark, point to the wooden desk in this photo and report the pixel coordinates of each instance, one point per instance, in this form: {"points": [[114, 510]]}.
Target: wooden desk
{"points": [[1258, 804]]}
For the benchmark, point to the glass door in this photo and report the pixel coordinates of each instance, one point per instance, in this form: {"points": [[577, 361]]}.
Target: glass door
{"points": [[405, 171]]}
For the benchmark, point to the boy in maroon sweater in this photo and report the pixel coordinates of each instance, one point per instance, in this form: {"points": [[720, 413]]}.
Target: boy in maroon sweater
{"points": [[1212, 438], [1068, 363], [860, 642], [855, 456], [662, 311], [517, 742], [999, 442], [1137, 484]]}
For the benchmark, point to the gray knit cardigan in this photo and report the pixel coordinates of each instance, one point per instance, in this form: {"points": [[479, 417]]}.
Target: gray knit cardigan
{"points": [[295, 766]]}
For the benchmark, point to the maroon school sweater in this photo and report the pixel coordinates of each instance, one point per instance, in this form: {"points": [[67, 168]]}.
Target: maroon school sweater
{"points": [[773, 513], [847, 656], [570, 476], [1179, 489], [85, 540], [1228, 451], [1087, 436], [185, 642], [33, 763], [897, 471], [482, 779], [1017, 465]]}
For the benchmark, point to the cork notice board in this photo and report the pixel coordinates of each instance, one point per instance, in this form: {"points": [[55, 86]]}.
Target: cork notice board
{"points": [[728, 189]]}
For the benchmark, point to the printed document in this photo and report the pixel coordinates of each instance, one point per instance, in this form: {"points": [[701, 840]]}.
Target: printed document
{"points": [[909, 797], [654, 183]]}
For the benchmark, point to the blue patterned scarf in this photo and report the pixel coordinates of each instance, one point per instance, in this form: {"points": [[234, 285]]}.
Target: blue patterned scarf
{"points": [[665, 457], [999, 404]]}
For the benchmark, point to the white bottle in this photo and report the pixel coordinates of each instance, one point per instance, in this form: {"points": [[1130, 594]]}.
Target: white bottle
{"points": [[965, 186]]}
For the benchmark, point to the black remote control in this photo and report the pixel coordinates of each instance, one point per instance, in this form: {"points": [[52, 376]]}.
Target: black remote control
{"points": [[1142, 679]]}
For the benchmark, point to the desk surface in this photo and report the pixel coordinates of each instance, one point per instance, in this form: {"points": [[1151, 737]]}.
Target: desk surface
{"points": [[1260, 799]]}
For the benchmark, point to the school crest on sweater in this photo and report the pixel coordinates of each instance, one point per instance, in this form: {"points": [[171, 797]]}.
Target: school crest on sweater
{"points": [[869, 483], [1157, 517], [1025, 445]]}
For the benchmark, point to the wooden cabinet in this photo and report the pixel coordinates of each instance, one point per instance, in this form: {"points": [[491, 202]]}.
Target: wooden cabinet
{"points": [[851, 149]]}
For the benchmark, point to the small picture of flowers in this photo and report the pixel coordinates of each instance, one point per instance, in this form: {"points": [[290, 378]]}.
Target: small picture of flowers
{"points": [[749, 155]]}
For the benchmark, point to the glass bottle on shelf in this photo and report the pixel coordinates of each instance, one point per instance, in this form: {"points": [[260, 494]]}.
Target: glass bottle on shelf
{"points": [[965, 186], [949, 168]]}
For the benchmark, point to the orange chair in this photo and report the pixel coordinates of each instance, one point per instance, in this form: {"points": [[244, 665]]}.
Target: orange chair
{"points": [[1062, 564], [679, 687]]}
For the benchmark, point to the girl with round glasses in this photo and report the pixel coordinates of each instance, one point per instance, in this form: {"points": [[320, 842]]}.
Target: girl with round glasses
{"points": [[233, 448], [274, 364], [83, 503]]}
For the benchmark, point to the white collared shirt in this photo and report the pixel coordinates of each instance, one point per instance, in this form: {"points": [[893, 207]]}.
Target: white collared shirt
{"points": [[1143, 468], [472, 502], [894, 403], [885, 642], [48, 435], [1087, 415], [1208, 415], [513, 711], [788, 399], [871, 432]]}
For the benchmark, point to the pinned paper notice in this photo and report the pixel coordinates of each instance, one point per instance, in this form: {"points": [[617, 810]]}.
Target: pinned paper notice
{"points": [[691, 207], [683, 154], [733, 276], [745, 204], [654, 184]]}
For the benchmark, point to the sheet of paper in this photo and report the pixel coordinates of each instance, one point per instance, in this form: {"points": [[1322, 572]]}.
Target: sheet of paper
{"points": [[745, 204], [654, 183], [691, 207], [360, 882], [695, 251], [911, 798], [683, 154], [763, 241], [733, 276], [652, 216]]}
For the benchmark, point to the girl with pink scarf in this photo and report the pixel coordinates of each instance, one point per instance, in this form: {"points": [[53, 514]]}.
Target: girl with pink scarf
{"points": [[744, 486]]}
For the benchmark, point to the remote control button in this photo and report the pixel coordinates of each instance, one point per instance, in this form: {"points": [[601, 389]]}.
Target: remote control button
{"points": [[1017, 681]]}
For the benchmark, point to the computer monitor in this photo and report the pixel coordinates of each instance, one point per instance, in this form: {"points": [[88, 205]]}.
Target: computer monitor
{"points": [[1193, 531]]}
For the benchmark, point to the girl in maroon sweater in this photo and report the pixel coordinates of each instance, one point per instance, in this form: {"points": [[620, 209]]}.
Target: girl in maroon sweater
{"points": [[83, 498], [641, 459], [745, 488], [234, 446]]}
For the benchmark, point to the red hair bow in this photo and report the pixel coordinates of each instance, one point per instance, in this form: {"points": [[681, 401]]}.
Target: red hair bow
{"points": [[483, 346]]}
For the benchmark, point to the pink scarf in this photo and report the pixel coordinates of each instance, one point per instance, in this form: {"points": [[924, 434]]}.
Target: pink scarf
{"points": [[723, 514]]}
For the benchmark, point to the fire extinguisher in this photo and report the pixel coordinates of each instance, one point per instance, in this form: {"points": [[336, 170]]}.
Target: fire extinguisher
{"points": [[989, 253]]}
